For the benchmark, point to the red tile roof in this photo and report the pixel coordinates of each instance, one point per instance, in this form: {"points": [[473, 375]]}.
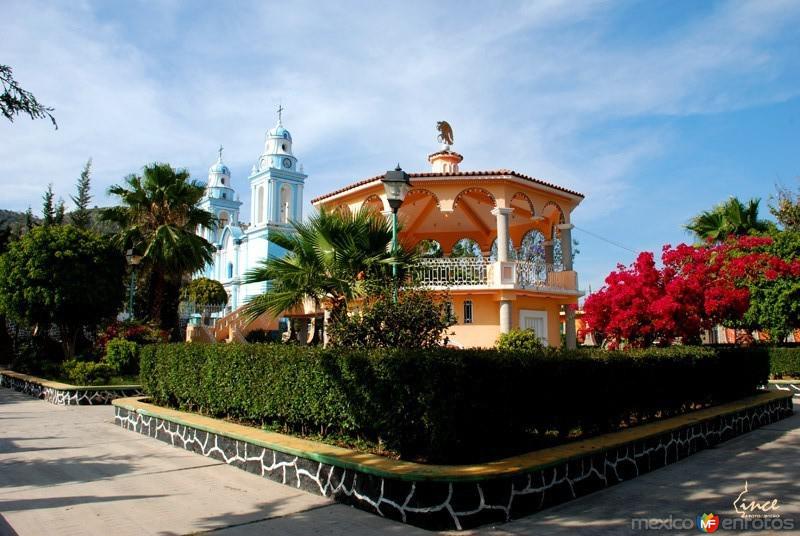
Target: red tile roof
{"points": [[429, 175]]}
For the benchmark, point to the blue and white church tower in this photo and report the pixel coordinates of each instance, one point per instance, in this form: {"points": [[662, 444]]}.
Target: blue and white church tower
{"points": [[276, 198]]}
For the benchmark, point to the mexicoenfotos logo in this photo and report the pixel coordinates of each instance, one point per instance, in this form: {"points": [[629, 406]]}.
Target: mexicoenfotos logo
{"points": [[707, 523]]}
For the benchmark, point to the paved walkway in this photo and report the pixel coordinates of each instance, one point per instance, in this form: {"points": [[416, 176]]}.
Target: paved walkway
{"points": [[70, 470]]}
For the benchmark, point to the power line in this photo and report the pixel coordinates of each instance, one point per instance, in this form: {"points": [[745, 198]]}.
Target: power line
{"points": [[605, 239]]}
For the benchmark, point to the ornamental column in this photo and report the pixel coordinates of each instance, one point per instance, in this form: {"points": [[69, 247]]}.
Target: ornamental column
{"points": [[502, 232], [566, 260], [566, 245], [505, 316], [235, 284]]}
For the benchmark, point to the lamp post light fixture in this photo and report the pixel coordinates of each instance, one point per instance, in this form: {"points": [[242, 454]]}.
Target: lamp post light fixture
{"points": [[396, 183], [133, 262]]}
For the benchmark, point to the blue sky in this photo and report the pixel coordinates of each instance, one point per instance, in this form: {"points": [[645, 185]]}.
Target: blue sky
{"points": [[655, 110]]}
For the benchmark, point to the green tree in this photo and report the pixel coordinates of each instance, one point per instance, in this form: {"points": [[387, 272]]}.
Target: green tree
{"points": [[62, 276], [157, 217], [59, 212], [466, 248], [731, 218], [775, 302], [80, 217], [204, 291], [48, 208], [332, 259], [786, 209], [14, 100], [30, 221]]}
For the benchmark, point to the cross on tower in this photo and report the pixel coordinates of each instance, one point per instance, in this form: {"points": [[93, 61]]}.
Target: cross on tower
{"points": [[220, 153], [280, 113]]}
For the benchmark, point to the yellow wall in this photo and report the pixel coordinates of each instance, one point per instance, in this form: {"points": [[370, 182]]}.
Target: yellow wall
{"points": [[485, 329]]}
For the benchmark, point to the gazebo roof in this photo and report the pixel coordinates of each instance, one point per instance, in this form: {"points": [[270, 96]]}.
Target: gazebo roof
{"points": [[431, 175]]}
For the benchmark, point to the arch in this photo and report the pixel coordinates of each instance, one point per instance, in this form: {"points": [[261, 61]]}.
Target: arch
{"points": [[475, 193], [260, 204], [550, 209], [421, 192], [373, 202], [224, 218], [525, 201], [512, 251], [466, 247], [429, 248], [286, 202], [531, 247], [343, 210]]}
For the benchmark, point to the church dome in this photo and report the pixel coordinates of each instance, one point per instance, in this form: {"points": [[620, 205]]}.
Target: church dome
{"points": [[278, 131], [219, 168]]}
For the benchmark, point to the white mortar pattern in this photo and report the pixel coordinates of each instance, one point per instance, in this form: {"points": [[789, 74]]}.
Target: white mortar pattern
{"points": [[688, 440], [67, 397]]}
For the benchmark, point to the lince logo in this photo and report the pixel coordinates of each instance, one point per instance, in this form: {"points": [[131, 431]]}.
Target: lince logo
{"points": [[747, 506]]}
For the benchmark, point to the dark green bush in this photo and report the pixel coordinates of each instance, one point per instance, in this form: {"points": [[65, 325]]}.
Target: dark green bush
{"points": [[785, 361], [122, 356], [88, 372], [419, 319], [445, 405]]}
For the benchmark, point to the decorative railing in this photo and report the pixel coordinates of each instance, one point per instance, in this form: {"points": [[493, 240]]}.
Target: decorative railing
{"points": [[532, 274], [452, 271], [484, 272]]}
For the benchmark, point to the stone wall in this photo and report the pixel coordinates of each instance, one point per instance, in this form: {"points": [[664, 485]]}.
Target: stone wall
{"points": [[66, 395], [448, 503]]}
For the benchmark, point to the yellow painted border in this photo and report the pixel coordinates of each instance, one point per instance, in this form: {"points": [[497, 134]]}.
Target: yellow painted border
{"points": [[66, 386], [402, 470]]}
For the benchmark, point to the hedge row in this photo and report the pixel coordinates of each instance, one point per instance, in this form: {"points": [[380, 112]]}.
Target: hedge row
{"points": [[784, 361], [445, 405]]}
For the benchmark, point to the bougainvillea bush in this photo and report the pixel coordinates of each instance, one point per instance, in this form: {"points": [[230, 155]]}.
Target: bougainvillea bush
{"points": [[696, 288]]}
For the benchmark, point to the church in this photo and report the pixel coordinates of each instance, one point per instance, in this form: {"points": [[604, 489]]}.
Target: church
{"points": [[276, 198]]}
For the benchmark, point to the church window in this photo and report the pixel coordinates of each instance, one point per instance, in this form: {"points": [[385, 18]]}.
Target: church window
{"points": [[223, 181], [260, 205], [223, 219], [283, 146], [230, 270], [224, 195], [285, 200]]}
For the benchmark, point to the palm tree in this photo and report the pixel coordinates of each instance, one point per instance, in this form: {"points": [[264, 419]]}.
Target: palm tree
{"points": [[333, 259], [158, 216], [731, 218]]}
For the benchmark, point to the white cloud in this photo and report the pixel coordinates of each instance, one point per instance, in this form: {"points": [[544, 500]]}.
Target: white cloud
{"points": [[363, 85]]}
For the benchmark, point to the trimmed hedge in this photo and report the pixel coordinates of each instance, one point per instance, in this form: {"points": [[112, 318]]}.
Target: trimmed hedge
{"points": [[445, 405], [785, 361]]}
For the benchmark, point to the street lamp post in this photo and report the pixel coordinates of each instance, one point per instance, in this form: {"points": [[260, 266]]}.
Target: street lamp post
{"points": [[133, 261], [397, 184]]}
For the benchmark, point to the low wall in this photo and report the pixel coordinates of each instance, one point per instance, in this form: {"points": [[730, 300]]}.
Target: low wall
{"points": [[786, 386], [64, 394], [458, 496]]}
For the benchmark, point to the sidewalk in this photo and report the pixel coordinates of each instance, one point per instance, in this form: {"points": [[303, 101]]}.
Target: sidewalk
{"points": [[70, 470]]}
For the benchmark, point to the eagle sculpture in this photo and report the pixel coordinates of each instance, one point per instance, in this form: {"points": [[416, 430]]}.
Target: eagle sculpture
{"points": [[445, 132]]}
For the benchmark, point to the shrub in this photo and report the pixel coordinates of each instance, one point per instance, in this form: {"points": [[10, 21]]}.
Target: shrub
{"points": [[520, 340], [784, 361], [444, 405], [204, 291], [88, 372], [122, 356], [131, 331], [263, 335], [419, 319]]}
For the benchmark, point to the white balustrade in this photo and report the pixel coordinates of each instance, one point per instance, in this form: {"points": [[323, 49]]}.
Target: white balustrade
{"points": [[452, 272]]}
